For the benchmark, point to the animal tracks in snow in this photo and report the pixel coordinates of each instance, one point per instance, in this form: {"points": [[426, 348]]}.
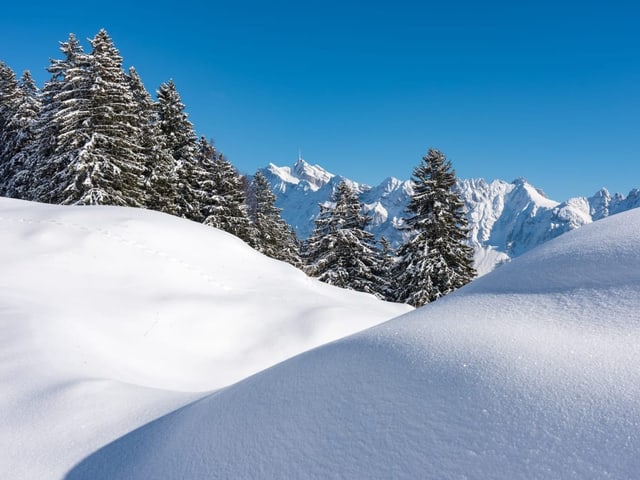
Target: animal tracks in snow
{"points": [[140, 246]]}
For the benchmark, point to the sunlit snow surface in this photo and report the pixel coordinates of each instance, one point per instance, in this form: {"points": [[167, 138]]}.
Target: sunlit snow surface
{"points": [[530, 372], [111, 317]]}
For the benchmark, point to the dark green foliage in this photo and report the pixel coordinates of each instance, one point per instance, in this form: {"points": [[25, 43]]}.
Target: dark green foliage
{"points": [[94, 157], [385, 270], [226, 207], [9, 105], [340, 251], [45, 165], [436, 260], [179, 139], [159, 177], [20, 136], [109, 166], [274, 237]]}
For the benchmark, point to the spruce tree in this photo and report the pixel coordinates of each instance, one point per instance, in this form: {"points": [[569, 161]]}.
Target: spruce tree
{"points": [[385, 270], [274, 237], [19, 139], [227, 209], [95, 156], [340, 251], [436, 260], [110, 165], [9, 94], [179, 139], [9, 100], [63, 124], [42, 164], [159, 168], [204, 183]]}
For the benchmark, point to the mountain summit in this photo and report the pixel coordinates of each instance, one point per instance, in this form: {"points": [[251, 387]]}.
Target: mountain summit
{"points": [[506, 219], [314, 175]]}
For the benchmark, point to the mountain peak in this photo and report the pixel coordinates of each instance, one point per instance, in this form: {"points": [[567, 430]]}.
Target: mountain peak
{"points": [[315, 175], [533, 193]]}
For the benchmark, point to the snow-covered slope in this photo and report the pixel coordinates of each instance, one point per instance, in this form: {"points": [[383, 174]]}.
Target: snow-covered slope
{"points": [[506, 219], [530, 372], [110, 317]]}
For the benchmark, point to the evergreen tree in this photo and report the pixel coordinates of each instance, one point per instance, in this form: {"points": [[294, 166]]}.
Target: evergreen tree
{"points": [[18, 139], [110, 165], [160, 173], [62, 96], [9, 100], [385, 270], [9, 93], [340, 251], [275, 238], [96, 158], [436, 260], [56, 92], [227, 209], [204, 183], [179, 139]]}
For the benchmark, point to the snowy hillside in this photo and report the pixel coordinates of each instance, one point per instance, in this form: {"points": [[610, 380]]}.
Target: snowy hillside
{"points": [[507, 219], [530, 372], [112, 316]]}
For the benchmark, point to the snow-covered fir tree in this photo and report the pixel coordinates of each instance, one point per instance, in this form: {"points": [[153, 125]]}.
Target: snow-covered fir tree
{"points": [[8, 94], [179, 139], [18, 138], [160, 179], [9, 100], [69, 124], [97, 158], [436, 260], [43, 163], [204, 180], [227, 208], [385, 270], [274, 237], [340, 251], [111, 164]]}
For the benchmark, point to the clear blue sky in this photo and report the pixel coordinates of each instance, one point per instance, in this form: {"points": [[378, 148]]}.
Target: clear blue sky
{"points": [[546, 90]]}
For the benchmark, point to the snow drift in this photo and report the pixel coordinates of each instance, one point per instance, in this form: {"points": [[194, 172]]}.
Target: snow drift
{"points": [[110, 317], [529, 372]]}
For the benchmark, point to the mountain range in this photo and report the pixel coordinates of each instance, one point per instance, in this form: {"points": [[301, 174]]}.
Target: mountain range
{"points": [[506, 219]]}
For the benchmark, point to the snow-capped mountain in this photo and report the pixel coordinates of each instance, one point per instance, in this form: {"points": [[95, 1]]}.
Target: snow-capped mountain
{"points": [[506, 219]]}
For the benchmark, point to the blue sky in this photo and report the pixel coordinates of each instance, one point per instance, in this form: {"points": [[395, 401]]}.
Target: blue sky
{"points": [[549, 91]]}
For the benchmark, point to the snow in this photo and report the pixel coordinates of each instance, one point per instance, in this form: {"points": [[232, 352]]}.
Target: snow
{"points": [[528, 372], [111, 317], [283, 173], [537, 196]]}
